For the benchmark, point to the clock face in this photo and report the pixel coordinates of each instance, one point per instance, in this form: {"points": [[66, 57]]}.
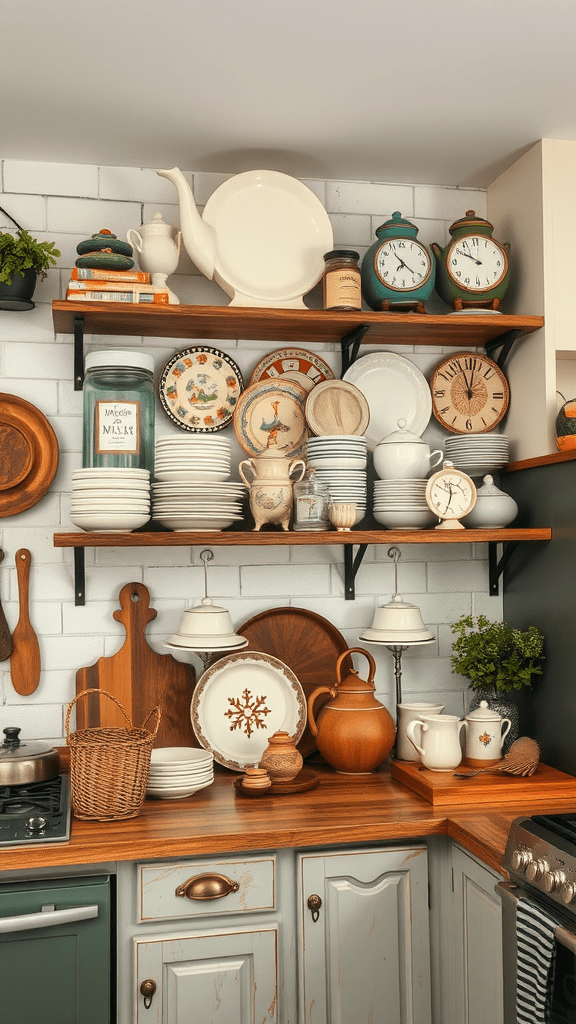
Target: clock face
{"points": [[450, 494], [402, 264], [476, 263], [470, 394]]}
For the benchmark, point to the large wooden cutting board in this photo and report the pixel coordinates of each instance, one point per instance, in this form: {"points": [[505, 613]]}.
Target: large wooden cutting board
{"points": [[441, 788], [139, 678]]}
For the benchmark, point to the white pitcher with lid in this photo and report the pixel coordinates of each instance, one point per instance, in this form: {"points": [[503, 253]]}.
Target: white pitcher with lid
{"points": [[158, 246], [439, 746], [485, 733]]}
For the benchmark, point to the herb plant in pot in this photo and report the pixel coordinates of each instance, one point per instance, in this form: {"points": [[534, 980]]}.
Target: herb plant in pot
{"points": [[22, 260], [497, 659]]}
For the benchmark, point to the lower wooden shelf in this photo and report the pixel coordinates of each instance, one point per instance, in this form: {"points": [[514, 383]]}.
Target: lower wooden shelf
{"points": [[348, 540]]}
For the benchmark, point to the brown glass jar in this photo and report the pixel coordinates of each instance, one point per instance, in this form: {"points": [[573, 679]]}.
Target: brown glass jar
{"points": [[341, 286]]}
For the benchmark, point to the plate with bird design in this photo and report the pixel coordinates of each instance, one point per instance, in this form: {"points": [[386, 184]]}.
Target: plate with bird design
{"points": [[270, 416]]}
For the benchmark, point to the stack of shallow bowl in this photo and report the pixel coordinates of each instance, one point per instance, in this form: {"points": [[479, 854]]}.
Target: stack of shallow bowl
{"points": [[337, 451], [478, 454], [178, 772], [192, 490], [401, 505], [110, 500]]}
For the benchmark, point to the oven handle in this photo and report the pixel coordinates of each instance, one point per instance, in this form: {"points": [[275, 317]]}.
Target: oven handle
{"points": [[46, 919], [562, 935]]}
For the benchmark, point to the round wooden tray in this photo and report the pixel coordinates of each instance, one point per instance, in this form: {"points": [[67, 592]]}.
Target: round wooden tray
{"points": [[306, 779], [28, 455]]}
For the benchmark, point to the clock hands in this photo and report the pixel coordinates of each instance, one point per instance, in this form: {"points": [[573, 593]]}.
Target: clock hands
{"points": [[462, 252], [401, 263]]}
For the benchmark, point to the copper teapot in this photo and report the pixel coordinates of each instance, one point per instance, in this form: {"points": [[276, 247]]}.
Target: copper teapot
{"points": [[354, 732]]}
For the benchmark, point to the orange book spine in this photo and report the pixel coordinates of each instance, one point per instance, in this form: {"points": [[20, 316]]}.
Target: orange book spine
{"points": [[111, 286], [81, 295], [97, 274]]}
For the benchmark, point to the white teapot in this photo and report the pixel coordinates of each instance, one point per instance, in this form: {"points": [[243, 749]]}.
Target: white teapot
{"points": [[485, 734], [158, 246], [403, 455]]}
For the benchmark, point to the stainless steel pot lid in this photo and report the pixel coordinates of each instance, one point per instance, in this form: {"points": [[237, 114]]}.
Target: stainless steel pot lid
{"points": [[14, 749]]}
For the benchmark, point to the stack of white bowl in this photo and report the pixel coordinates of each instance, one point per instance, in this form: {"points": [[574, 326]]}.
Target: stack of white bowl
{"points": [[401, 505], [478, 454], [110, 500], [178, 772], [192, 490], [340, 463]]}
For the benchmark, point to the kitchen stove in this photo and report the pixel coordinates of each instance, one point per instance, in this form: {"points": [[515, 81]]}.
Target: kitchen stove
{"points": [[541, 855], [36, 812]]}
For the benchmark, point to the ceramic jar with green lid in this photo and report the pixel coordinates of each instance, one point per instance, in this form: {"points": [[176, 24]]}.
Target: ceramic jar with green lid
{"points": [[398, 271]]}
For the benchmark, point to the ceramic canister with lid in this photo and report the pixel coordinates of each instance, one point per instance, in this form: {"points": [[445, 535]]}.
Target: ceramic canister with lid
{"points": [[119, 410], [485, 732]]}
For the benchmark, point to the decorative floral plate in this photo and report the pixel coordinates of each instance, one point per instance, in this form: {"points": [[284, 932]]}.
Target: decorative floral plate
{"points": [[199, 388], [270, 416], [240, 702], [306, 368]]}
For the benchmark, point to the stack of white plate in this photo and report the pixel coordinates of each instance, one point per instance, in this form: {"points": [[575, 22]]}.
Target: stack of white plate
{"points": [[345, 486], [478, 454], [192, 458], [110, 500], [401, 505], [336, 451], [178, 772]]}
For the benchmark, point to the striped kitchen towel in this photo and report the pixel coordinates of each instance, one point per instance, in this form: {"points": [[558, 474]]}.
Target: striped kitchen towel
{"points": [[535, 945]]}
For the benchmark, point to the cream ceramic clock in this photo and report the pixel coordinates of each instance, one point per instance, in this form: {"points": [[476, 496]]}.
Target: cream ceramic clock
{"points": [[450, 495], [470, 393]]}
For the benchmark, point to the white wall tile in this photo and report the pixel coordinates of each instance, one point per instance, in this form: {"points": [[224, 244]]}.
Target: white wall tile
{"points": [[28, 211], [457, 576], [139, 184], [293, 579], [91, 215], [370, 197], [448, 203], [48, 179]]}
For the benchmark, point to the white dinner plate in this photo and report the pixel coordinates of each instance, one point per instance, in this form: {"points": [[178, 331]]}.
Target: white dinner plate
{"points": [[395, 389]]}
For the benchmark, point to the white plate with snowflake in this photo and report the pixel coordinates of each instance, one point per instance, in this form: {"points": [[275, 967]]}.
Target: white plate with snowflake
{"points": [[240, 702]]}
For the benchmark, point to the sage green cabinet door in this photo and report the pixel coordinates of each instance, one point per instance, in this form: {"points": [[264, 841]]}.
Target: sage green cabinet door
{"points": [[364, 958], [477, 934], [227, 977]]}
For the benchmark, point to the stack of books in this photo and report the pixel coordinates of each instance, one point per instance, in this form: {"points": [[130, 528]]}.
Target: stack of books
{"points": [[90, 284]]}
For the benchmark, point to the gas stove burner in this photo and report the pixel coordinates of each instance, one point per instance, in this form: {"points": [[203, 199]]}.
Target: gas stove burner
{"points": [[15, 808], [37, 812]]}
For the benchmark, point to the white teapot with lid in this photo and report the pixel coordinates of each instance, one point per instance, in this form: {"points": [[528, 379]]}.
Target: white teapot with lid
{"points": [[158, 246], [485, 733], [403, 455]]}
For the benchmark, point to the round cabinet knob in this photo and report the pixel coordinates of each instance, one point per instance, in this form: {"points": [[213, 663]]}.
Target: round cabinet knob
{"points": [[535, 870], [554, 880], [520, 859], [568, 892]]}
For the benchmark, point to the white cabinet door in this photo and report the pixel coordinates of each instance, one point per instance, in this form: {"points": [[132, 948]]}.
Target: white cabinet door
{"points": [[227, 977], [364, 958], [477, 939]]}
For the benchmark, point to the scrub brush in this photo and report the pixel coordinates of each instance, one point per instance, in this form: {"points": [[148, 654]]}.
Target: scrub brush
{"points": [[522, 759]]}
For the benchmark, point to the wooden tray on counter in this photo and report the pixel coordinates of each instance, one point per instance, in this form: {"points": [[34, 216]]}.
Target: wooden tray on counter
{"points": [[441, 788]]}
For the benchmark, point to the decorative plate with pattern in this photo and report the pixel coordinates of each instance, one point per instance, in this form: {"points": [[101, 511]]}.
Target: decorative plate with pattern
{"points": [[240, 701], [270, 416], [306, 368], [199, 388]]}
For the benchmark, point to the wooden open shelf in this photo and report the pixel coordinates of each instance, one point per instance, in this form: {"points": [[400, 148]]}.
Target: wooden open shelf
{"points": [[218, 323]]}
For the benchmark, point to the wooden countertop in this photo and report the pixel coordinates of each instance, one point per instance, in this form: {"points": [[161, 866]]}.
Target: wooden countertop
{"points": [[343, 809]]}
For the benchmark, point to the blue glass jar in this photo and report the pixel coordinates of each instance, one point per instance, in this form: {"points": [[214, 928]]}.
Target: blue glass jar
{"points": [[119, 410]]}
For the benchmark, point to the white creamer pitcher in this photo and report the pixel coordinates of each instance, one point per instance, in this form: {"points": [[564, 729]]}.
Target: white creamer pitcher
{"points": [[158, 247], [406, 713], [439, 746]]}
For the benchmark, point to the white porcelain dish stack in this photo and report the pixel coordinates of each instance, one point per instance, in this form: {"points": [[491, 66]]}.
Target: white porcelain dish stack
{"points": [[337, 451], [192, 490], [478, 454], [110, 500], [401, 505], [178, 772]]}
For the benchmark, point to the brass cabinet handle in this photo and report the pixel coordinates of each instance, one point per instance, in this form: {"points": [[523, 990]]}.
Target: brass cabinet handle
{"points": [[207, 887], [148, 988], [314, 904]]}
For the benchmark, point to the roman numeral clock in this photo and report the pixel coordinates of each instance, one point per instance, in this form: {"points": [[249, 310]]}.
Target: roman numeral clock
{"points": [[470, 393]]}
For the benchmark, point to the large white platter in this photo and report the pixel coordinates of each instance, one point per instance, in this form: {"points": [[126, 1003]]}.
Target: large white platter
{"points": [[241, 701], [395, 389]]}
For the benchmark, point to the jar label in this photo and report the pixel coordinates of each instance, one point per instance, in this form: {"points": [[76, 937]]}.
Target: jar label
{"points": [[343, 288], [117, 427]]}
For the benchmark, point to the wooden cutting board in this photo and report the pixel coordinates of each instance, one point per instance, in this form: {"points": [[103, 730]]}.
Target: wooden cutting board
{"points": [[139, 678], [440, 788]]}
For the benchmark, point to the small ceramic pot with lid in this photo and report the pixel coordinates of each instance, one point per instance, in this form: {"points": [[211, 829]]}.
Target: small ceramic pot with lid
{"points": [[26, 761], [494, 509], [403, 455], [485, 732]]}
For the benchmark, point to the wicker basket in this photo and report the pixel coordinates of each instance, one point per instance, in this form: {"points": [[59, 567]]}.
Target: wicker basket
{"points": [[109, 766]]}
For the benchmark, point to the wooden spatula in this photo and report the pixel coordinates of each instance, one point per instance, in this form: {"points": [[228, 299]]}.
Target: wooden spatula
{"points": [[25, 657], [5, 638]]}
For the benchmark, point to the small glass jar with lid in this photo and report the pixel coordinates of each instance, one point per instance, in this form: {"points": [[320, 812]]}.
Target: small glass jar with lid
{"points": [[341, 283], [119, 410], [311, 503]]}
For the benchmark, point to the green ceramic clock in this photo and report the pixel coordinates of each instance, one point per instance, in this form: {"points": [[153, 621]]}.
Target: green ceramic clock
{"points": [[397, 271], [473, 269]]}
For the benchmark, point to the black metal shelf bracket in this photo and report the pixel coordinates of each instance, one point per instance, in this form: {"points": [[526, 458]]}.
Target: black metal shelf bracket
{"points": [[78, 353], [496, 566], [351, 565], [504, 343], [350, 345], [79, 577]]}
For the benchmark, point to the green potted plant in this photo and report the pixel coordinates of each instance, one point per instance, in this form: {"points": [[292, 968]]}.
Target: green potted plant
{"points": [[22, 260], [497, 659]]}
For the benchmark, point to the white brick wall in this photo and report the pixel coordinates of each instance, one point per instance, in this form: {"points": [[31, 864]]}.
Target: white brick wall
{"points": [[66, 203]]}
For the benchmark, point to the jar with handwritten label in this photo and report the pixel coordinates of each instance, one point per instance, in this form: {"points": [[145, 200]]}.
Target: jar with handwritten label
{"points": [[341, 284], [119, 410], [311, 504]]}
